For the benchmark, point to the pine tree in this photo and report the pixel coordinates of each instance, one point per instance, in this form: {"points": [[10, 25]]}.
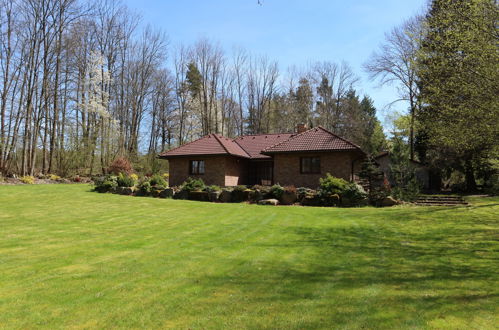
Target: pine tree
{"points": [[458, 66]]}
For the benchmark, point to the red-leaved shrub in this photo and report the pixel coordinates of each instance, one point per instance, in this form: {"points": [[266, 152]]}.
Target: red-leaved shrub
{"points": [[120, 165]]}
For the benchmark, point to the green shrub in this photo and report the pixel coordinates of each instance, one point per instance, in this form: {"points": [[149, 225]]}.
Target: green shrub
{"points": [[105, 183], [145, 188], [124, 180], [193, 185], [239, 188], [353, 195], [276, 191], [331, 185], [213, 188], [28, 179], [158, 181]]}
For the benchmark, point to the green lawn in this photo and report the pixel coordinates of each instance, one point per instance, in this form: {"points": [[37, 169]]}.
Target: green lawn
{"points": [[73, 258]]}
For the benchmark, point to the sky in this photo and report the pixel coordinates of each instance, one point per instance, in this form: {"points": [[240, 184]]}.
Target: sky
{"points": [[292, 32]]}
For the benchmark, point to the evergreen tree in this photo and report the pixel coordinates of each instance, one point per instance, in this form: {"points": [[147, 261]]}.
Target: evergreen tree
{"points": [[458, 66]]}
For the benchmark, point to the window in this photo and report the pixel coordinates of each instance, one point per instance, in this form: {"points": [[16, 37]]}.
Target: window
{"points": [[310, 165], [196, 167]]}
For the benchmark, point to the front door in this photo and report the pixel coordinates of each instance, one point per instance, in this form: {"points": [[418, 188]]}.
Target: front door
{"points": [[261, 172]]}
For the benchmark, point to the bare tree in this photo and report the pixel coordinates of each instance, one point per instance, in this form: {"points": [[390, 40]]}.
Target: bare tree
{"points": [[394, 63]]}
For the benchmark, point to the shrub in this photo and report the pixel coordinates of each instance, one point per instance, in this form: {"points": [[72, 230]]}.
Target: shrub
{"points": [[276, 191], [158, 181], [135, 177], [124, 180], [213, 188], [331, 185], [145, 188], [240, 188], [54, 177], [120, 165], [105, 183], [353, 195], [193, 185], [28, 179]]}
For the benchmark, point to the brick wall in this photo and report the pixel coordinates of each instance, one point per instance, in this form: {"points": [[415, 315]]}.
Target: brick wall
{"points": [[219, 170], [338, 164]]}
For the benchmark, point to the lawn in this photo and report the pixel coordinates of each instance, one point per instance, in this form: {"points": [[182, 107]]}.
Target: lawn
{"points": [[73, 258]]}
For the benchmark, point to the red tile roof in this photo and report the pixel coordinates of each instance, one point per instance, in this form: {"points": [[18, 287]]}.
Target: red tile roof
{"points": [[261, 146], [315, 139], [208, 145], [254, 144]]}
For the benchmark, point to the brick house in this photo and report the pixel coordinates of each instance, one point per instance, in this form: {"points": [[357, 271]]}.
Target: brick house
{"points": [[298, 159]]}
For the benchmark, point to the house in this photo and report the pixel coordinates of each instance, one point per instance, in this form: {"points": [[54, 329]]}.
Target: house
{"points": [[298, 159], [421, 171]]}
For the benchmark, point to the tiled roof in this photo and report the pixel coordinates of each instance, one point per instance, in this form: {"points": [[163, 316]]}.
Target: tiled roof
{"points": [[254, 144], [208, 145], [315, 139], [261, 146]]}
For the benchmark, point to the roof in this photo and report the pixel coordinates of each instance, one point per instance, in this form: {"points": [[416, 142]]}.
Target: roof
{"points": [[315, 139], [211, 144], [262, 145], [254, 144]]}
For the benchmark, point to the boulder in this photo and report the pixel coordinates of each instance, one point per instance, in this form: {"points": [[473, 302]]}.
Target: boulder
{"points": [[125, 190], [167, 193], [288, 197], [182, 194], [200, 196], [256, 195], [311, 200], [388, 201], [271, 201], [213, 196], [225, 196], [239, 196]]}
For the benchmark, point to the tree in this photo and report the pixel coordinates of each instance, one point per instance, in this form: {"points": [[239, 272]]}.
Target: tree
{"points": [[395, 63], [458, 66]]}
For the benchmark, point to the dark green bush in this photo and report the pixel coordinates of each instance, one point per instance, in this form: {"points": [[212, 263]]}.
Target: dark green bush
{"points": [[105, 183], [145, 188], [276, 191], [353, 195], [158, 181], [124, 180], [193, 185]]}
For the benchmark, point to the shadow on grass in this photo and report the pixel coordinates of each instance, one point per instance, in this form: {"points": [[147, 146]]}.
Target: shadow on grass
{"points": [[373, 276]]}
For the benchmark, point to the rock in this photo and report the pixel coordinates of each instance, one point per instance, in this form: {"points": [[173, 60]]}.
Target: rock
{"points": [[271, 201], [311, 200], [167, 193], [388, 201], [256, 195], [213, 196], [288, 197], [182, 194], [239, 196], [225, 196], [156, 192], [200, 196], [125, 190]]}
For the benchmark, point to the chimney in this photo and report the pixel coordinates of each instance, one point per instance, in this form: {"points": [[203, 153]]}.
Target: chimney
{"points": [[300, 128]]}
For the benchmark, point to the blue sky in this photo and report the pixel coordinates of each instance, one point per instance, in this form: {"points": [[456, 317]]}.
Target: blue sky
{"points": [[293, 32]]}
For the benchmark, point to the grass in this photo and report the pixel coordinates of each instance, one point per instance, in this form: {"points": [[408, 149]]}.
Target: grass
{"points": [[73, 258]]}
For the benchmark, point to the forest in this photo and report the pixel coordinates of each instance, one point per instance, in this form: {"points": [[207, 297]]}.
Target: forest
{"points": [[85, 82]]}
